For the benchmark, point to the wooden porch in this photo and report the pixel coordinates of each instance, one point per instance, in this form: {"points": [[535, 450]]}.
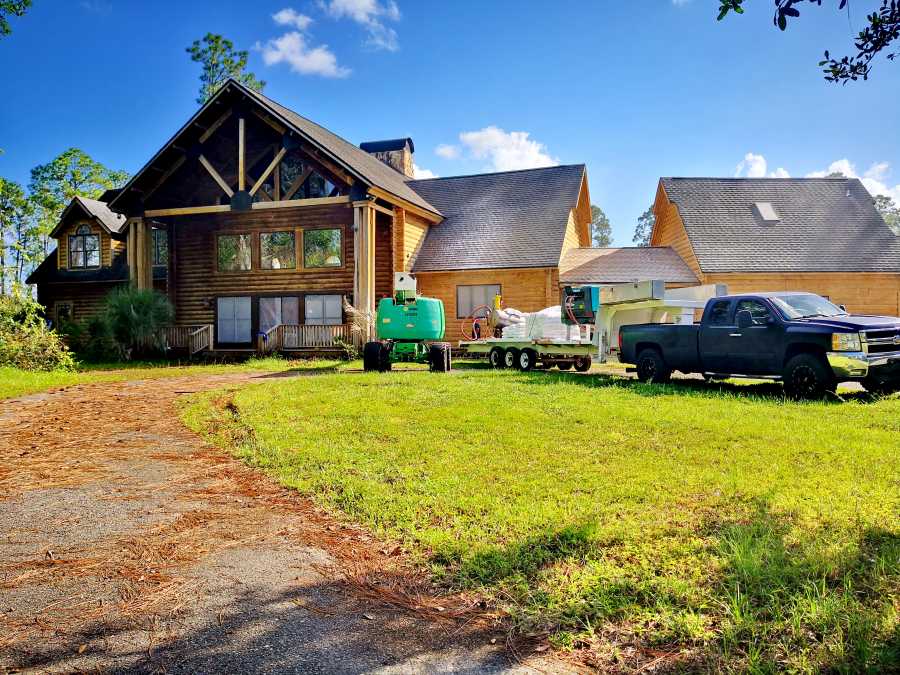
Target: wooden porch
{"points": [[283, 338]]}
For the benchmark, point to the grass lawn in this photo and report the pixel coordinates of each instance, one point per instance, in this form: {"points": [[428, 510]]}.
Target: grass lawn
{"points": [[743, 531], [15, 382]]}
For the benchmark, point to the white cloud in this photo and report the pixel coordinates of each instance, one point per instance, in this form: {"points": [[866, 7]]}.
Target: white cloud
{"points": [[756, 166], [421, 173], [507, 151], [874, 178], [370, 14], [447, 151], [292, 48], [289, 17]]}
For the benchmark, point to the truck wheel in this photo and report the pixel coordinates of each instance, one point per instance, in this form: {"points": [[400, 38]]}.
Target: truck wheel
{"points": [[439, 357], [511, 358], [527, 359], [807, 376], [384, 359], [495, 357], [583, 364], [371, 356], [651, 367]]}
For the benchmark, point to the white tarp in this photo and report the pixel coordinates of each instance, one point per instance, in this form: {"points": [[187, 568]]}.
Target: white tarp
{"points": [[544, 325]]}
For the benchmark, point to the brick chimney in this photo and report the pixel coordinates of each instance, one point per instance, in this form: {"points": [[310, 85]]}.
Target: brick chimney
{"points": [[396, 153]]}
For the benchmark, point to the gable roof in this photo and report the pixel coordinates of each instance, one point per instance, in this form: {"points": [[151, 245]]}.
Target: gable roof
{"points": [[495, 220], [622, 265], [357, 161], [825, 225], [109, 220]]}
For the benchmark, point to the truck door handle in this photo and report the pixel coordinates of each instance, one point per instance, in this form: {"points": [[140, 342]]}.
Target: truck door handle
{"points": [[735, 334]]}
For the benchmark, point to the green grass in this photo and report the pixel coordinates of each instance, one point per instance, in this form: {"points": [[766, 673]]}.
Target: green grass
{"points": [[758, 534], [15, 382]]}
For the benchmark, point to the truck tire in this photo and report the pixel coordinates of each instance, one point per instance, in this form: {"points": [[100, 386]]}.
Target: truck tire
{"points": [[511, 358], [582, 364], [808, 376], [371, 356], [652, 367], [495, 357], [439, 357], [527, 360]]}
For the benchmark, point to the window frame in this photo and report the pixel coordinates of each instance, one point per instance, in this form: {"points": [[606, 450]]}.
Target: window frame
{"points": [[259, 238], [324, 294], [729, 314], [341, 246], [241, 233], [155, 236], [84, 232], [459, 315], [764, 305]]}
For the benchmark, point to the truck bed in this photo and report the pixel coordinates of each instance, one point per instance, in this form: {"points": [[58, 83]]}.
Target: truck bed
{"points": [[679, 343]]}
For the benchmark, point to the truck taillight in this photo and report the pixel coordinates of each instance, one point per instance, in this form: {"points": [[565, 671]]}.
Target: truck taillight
{"points": [[620, 342]]}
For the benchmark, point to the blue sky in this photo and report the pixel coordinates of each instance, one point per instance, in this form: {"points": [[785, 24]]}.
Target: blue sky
{"points": [[635, 90]]}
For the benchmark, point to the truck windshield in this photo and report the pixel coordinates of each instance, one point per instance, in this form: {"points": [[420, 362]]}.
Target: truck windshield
{"points": [[805, 306]]}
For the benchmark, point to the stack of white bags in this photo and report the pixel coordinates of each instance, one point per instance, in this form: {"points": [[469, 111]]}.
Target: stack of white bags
{"points": [[544, 325]]}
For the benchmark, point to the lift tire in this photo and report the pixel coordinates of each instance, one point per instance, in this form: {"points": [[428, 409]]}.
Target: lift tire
{"points": [[384, 358], [440, 357], [808, 376], [652, 367], [371, 356], [495, 357], [527, 360], [511, 358], [583, 364]]}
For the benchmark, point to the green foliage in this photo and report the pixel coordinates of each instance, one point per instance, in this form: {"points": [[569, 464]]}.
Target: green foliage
{"points": [[644, 227], [93, 340], [601, 230], [136, 320], [220, 61], [744, 532], [25, 340], [15, 234], [11, 8], [889, 211]]}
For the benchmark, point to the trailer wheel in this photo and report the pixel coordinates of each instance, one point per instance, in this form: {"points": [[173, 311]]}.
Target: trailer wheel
{"points": [[495, 357], [527, 359], [651, 367], [439, 358], [371, 356], [583, 364], [511, 358]]}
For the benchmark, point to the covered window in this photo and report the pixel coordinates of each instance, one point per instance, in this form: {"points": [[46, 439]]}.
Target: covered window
{"points": [[324, 310], [233, 320], [275, 311], [469, 298], [233, 251], [84, 248], [160, 247], [322, 248], [277, 251]]}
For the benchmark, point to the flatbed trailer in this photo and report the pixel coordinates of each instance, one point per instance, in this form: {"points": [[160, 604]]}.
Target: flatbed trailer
{"points": [[620, 304]]}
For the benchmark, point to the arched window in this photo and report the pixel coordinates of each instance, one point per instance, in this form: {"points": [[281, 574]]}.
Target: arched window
{"points": [[84, 248]]}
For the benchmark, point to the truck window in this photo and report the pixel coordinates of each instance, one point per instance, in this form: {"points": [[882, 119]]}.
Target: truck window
{"points": [[718, 313], [757, 309]]}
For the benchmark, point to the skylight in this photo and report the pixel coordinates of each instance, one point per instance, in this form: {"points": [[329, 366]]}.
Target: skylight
{"points": [[766, 211]]}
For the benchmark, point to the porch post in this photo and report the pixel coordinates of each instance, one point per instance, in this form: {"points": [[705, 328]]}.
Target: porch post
{"points": [[140, 264], [364, 257]]}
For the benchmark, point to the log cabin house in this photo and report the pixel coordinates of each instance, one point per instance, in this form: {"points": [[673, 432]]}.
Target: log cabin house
{"points": [[822, 235], [254, 220]]}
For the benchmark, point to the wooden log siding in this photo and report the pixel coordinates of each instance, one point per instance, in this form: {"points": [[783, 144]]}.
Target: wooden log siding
{"points": [[87, 297], [198, 282]]}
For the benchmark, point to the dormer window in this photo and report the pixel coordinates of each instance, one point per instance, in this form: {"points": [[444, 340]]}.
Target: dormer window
{"points": [[766, 212], [84, 249]]}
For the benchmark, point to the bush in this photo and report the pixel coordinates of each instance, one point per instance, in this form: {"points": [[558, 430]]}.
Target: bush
{"points": [[25, 340], [92, 339], [135, 320]]}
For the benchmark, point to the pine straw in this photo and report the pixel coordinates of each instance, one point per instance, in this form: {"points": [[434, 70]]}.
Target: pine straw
{"points": [[81, 437]]}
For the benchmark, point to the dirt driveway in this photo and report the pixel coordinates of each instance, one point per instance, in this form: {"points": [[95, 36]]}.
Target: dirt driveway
{"points": [[128, 544]]}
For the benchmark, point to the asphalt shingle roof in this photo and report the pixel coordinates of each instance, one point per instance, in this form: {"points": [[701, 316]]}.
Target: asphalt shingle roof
{"points": [[112, 221], [826, 225], [507, 219], [622, 265]]}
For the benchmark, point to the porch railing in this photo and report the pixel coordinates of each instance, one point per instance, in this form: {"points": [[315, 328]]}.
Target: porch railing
{"points": [[286, 337], [193, 339]]}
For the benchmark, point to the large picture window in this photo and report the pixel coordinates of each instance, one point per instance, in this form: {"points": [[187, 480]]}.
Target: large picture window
{"points": [[277, 251], [233, 251], [274, 311], [322, 248], [160, 247], [469, 298], [324, 310], [84, 248]]}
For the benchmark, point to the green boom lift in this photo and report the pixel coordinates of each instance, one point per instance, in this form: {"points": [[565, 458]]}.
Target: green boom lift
{"points": [[408, 327]]}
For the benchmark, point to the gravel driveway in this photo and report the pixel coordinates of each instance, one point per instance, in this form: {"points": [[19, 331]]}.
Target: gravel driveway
{"points": [[128, 544]]}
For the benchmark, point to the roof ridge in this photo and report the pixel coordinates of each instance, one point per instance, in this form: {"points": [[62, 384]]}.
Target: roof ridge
{"points": [[761, 178], [499, 173]]}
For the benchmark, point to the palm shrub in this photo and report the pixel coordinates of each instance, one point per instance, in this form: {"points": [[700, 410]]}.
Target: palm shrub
{"points": [[25, 340], [137, 320]]}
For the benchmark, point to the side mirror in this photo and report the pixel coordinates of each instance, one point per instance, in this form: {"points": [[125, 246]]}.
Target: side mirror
{"points": [[744, 319], [842, 308]]}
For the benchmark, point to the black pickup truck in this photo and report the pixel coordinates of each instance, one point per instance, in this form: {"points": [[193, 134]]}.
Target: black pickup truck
{"points": [[800, 338]]}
